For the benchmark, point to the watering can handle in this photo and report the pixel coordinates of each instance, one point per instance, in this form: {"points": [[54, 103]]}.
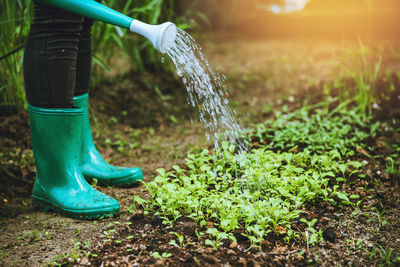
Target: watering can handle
{"points": [[92, 9]]}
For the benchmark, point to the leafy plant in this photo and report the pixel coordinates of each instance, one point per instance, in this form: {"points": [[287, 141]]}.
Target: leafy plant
{"points": [[219, 237], [15, 16], [258, 197], [312, 236], [316, 129], [304, 160], [180, 240]]}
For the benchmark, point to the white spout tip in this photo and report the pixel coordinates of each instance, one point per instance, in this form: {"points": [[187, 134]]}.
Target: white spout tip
{"points": [[166, 37], [161, 36]]}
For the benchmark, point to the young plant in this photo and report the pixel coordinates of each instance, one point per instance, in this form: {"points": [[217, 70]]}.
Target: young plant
{"points": [[312, 236], [156, 255], [219, 237], [180, 240]]}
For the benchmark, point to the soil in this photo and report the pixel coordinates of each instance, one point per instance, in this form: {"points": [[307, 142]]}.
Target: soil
{"points": [[148, 124]]}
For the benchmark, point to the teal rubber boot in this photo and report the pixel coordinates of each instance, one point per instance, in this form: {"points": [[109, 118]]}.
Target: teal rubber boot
{"points": [[92, 163], [60, 185]]}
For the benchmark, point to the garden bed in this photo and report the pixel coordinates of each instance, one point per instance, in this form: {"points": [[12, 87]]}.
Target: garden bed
{"points": [[344, 225]]}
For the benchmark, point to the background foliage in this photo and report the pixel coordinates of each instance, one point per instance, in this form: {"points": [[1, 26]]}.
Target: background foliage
{"points": [[15, 16], [109, 43]]}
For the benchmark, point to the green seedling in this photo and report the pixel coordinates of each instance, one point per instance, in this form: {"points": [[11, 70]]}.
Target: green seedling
{"points": [[255, 234], [219, 237], [180, 240], [341, 131], [312, 236], [261, 191], [156, 255], [356, 245], [196, 192], [198, 234]]}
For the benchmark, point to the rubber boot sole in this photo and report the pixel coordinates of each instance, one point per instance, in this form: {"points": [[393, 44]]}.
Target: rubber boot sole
{"points": [[93, 214], [120, 182]]}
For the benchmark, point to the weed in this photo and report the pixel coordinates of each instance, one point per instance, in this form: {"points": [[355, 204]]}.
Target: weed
{"points": [[31, 237], [385, 255], [78, 250]]}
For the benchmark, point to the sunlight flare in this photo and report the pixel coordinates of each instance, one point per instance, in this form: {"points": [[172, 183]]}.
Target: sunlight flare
{"points": [[288, 6]]}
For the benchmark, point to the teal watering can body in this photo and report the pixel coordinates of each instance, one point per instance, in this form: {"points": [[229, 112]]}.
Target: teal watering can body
{"points": [[92, 9]]}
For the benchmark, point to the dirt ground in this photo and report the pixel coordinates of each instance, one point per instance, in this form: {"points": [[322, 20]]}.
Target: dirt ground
{"points": [[155, 128]]}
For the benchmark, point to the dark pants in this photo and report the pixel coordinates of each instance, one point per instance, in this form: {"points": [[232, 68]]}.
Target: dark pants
{"points": [[57, 59]]}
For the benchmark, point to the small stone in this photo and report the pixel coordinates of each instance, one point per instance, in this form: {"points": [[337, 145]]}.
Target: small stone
{"points": [[210, 259], [324, 220], [189, 259], [233, 245], [329, 235], [138, 213], [298, 257], [84, 261], [187, 227]]}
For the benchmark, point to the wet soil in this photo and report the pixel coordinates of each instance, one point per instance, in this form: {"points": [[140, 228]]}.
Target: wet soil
{"points": [[146, 122]]}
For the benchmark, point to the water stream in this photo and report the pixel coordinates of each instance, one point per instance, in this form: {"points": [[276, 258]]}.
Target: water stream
{"points": [[206, 91]]}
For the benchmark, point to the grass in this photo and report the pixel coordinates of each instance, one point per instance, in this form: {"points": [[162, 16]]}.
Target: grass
{"points": [[357, 75]]}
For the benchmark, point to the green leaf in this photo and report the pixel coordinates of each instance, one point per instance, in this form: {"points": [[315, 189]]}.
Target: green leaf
{"points": [[99, 62]]}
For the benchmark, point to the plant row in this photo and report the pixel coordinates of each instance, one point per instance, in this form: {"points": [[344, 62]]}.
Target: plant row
{"points": [[299, 159]]}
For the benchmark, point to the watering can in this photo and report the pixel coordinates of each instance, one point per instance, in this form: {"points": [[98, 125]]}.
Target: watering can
{"points": [[161, 36]]}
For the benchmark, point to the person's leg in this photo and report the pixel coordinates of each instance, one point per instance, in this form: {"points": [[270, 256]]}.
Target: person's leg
{"points": [[56, 125], [92, 163], [50, 57], [84, 60]]}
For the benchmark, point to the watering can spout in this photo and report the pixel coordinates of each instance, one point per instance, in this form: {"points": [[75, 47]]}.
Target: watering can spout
{"points": [[162, 36]]}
